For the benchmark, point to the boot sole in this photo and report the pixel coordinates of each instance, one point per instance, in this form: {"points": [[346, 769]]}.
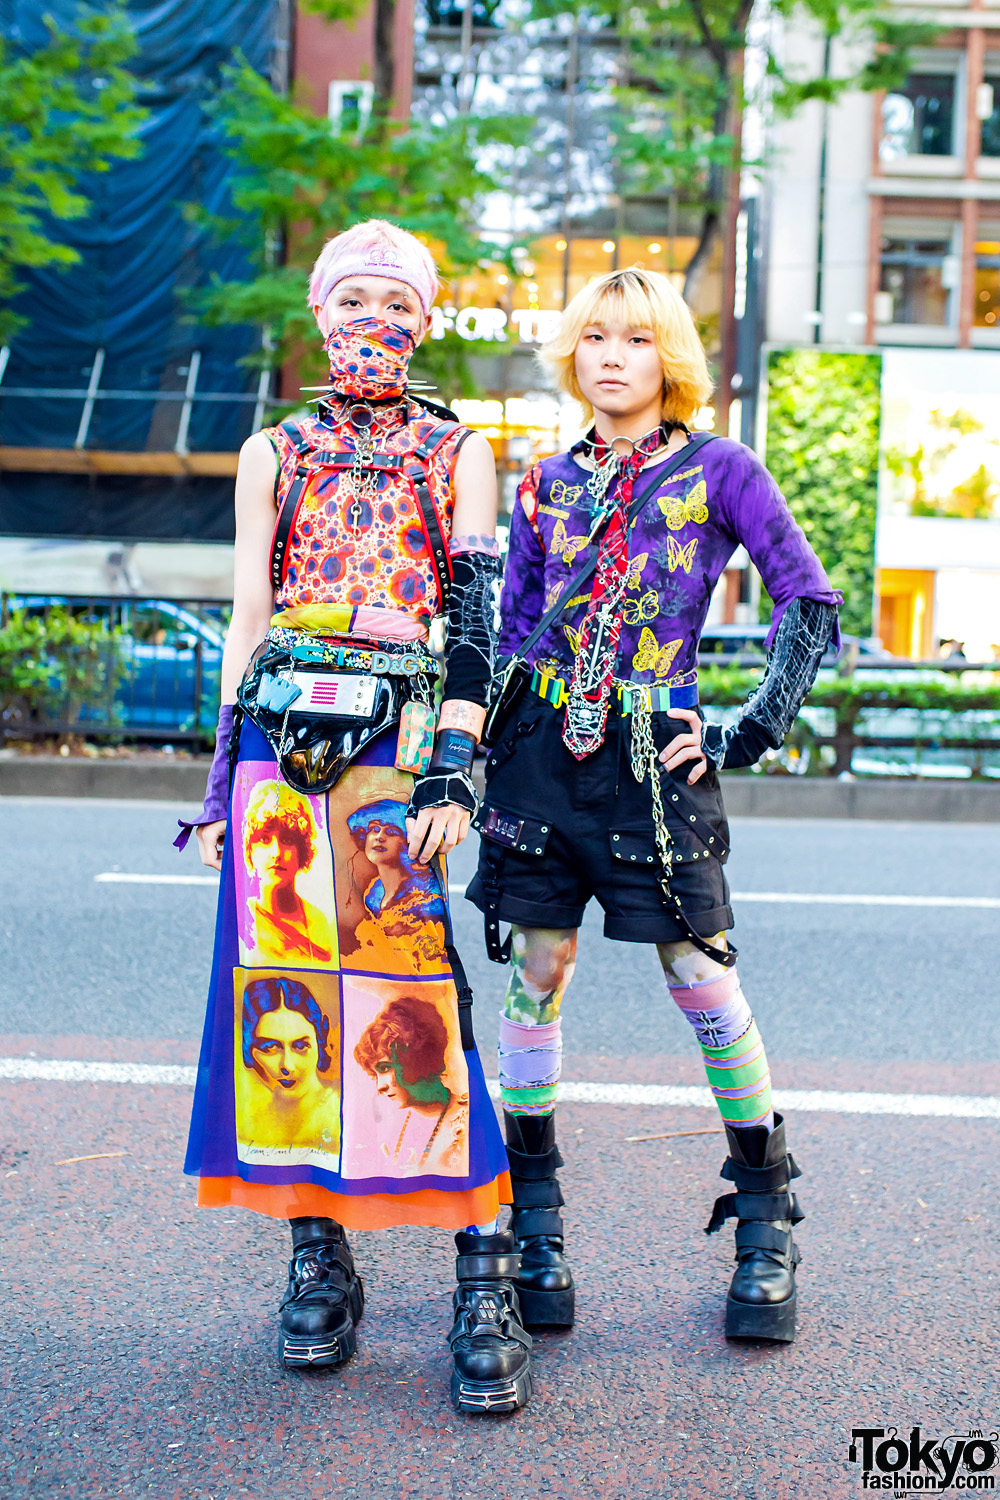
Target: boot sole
{"points": [[541, 1309], [295, 1350], [318, 1353], [774, 1321], [482, 1397]]}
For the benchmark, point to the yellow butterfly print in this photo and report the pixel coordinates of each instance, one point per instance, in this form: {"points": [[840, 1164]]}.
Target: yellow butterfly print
{"points": [[565, 494], [637, 611], [635, 567], [653, 658], [567, 546], [553, 595], [681, 509], [680, 557], [573, 636]]}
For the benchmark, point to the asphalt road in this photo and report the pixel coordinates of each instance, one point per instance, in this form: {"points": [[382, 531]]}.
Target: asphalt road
{"points": [[139, 1350]]}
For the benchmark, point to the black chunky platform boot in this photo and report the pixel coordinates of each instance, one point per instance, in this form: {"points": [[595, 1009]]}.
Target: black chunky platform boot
{"points": [[491, 1350], [325, 1297], [761, 1300], [545, 1282]]}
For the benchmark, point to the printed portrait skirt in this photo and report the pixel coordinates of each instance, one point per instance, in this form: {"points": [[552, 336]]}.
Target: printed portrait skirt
{"points": [[332, 1080]]}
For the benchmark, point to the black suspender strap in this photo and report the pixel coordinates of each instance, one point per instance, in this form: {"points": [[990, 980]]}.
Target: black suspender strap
{"points": [[430, 521], [416, 472], [462, 985]]}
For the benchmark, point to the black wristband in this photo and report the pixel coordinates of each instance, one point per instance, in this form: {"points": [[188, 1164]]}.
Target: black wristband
{"points": [[454, 750]]}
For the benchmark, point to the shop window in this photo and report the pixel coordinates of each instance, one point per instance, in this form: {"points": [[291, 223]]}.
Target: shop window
{"points": [[919, 118], [990, 115], [918, 277], [987, 307]]}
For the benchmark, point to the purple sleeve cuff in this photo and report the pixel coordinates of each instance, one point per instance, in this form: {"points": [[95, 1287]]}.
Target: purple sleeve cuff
{"points": [[216, 805]]}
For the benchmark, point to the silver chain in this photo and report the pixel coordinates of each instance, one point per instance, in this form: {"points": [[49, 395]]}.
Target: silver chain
{"points": [[643, 756], [363, 478]]}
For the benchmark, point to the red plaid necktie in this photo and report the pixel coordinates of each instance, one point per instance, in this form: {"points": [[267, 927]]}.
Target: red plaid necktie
{"points": [[594, 669]]}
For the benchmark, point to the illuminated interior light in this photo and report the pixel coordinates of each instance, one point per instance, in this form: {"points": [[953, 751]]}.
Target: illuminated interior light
{"points": [[502, 280], [560, 244], [608, 245], [655, 248]]}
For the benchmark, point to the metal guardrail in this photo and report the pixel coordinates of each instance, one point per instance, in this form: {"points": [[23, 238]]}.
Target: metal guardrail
{"points": [[110, 667]]}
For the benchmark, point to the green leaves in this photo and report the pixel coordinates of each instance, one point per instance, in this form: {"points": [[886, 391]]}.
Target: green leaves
{"points": [[58, 667], [298, 181], [822, 448], [65, 110]]}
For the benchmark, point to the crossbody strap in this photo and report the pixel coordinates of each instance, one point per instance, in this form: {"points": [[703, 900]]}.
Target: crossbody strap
{"points": [[658, 475]]}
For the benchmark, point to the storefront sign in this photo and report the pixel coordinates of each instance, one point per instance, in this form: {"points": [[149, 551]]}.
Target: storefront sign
{"points": [[525, 325]]}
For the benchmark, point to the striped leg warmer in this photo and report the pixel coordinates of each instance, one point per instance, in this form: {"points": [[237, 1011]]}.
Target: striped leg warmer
{"points": [[732, 1049]]}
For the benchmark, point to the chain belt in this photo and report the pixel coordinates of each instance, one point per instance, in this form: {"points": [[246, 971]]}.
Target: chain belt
{"points": [[390, 660]]}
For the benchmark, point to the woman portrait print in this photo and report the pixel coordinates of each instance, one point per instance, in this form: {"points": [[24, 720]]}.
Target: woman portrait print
{"points": [[286, 1046], [279, 845], [402, 923], [404, 1050]]}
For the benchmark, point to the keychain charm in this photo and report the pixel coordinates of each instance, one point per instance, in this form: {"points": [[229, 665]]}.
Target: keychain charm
{"points": [[416, 737]]}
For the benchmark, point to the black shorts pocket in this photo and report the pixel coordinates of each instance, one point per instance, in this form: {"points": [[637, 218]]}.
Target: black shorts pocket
{"points": [[636, 846], [512, 830]]}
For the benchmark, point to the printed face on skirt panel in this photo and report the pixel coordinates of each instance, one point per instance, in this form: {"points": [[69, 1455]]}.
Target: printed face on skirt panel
{"points": [[287, 1066], [285, 874], [406, 1097], [390, 912]]}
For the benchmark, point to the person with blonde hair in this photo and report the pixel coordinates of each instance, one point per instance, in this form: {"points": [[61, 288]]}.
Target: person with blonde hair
{"points": [[356, 525], [603, 777]]}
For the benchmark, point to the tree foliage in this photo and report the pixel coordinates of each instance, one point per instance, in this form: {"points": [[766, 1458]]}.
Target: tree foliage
{"points": [[681, 92], [66, 109], [298, 181], [822, 448]]}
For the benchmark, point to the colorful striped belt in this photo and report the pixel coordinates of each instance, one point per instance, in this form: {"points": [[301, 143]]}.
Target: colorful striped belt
{"points": [[674, 695]]}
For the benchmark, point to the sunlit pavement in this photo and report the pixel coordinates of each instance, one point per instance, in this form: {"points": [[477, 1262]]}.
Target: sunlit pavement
{"points": [[140, 1349]]}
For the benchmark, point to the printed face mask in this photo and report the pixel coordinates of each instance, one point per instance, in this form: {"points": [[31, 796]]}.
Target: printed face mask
{"points": [[369, 358]]}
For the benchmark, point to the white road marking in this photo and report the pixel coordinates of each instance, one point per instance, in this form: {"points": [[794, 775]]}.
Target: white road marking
{"points": [[830, 899], [799, 898], [648, 1095]]}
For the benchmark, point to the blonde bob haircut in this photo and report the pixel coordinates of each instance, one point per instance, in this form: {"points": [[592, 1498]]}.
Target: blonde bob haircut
{"points": [[636, 298]]}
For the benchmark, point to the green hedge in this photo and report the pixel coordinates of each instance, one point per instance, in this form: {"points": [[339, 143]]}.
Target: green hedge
{"points": [[58, 668]]}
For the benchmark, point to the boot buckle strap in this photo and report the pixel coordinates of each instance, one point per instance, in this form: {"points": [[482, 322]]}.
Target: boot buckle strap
{"points": [[760, 1236], [486, 1267], [536, 1168], [760, 1179]]}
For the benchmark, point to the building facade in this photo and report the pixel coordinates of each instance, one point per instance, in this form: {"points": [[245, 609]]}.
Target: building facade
{"points": [[884, 234]]}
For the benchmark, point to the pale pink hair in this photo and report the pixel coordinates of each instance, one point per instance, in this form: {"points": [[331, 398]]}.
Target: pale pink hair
{"points": [[374, 248]]}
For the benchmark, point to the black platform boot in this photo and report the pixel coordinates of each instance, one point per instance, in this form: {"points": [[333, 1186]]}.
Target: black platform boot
{"points": [[491, 1350], [325, 1297], [761, 1300], [545, 1282]]}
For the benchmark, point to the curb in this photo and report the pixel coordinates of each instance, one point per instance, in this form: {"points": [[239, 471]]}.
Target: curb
{"points": [[745, 796], [897, 801]]}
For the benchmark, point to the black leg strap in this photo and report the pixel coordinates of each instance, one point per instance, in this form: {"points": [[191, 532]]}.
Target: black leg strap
{"points": [[462, 986], [533, 1168], [490, 875], [761, 1179]]}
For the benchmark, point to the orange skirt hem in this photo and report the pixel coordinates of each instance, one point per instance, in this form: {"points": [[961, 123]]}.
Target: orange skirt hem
{"points": [[298, 1200]]}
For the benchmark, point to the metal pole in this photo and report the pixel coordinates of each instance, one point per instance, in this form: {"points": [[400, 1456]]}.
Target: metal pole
{"points": [[93, 386], [464, 92], [572, 68], [181, 445], [821, 208]]}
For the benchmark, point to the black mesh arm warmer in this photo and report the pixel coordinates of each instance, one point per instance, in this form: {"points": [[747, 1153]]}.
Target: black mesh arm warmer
{"points": [[472, 629], [769, 713]]}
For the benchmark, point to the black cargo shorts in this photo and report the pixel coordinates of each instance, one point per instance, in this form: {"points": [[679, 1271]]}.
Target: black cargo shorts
{"points": [[556, 831]]}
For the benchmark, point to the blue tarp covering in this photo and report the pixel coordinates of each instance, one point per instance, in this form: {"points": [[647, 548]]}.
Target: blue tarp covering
{"points": [[139, 255]]}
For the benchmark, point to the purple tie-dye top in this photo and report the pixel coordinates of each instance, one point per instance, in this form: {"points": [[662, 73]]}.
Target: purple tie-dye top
{"points": [[684, 536]]}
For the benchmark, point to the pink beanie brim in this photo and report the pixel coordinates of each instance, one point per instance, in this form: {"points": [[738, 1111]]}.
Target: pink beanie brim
{"points": [[378, 260]]}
